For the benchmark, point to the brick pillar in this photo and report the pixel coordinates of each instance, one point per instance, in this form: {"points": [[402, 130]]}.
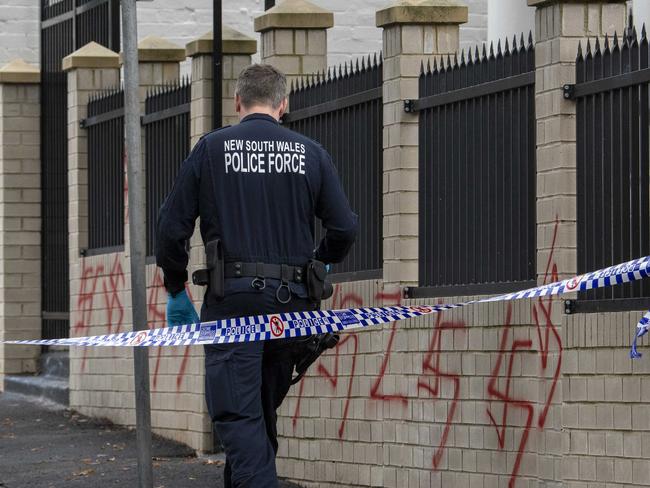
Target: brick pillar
{"points": [[89, 69], [158, 63], [237, 51], [412, 30], [294, 37], [20, 216], [560, 25]]}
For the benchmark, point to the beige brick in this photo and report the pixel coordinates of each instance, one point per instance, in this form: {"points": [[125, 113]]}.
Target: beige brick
{"points": [[283, 42]]}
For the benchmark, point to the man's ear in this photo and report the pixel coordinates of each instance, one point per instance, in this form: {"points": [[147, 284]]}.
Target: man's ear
{"points": [[283, 107], [237, 104]]}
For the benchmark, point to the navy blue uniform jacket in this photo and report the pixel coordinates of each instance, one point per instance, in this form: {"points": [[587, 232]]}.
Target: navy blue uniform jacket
{"points": [[258, 187]]}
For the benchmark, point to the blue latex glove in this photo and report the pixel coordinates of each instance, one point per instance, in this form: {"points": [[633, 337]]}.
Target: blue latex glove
{"points": [[180, 310]]}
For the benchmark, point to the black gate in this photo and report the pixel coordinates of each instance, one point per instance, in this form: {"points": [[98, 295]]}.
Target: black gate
{"points": [[344, 112], [66, 25], [106, 161], [167, 134], [613, 163], [477, 227]]}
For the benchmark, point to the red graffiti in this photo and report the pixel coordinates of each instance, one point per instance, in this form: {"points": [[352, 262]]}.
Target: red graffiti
{"points": [[394, 299], [505, 396], [334, 378], [110, 286], [338, 301], [91, 277], [429, 365], [544, 307], [157, 317], [87, 290]]}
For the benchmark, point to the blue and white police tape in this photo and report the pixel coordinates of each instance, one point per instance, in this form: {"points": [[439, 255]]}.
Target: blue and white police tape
{"points": [[300, 324]]}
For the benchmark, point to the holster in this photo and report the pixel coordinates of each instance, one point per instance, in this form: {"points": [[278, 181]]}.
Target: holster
{"points": [[318, 287], [213, 275]]}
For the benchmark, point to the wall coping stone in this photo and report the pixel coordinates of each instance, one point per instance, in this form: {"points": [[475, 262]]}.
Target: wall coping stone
{"points": [[422, 12], [234, 42], [154, 49], [294, 14], [92, 55], [19, 71]]}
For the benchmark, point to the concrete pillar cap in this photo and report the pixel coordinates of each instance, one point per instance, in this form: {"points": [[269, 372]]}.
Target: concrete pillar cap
{"points": [[18, 71], [294, 14], [92, 55], [422, 12], [234, 42], [154, 49], [541, 3]]}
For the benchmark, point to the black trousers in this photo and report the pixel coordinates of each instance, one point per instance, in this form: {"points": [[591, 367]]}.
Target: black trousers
{"points": [[244, 386]]}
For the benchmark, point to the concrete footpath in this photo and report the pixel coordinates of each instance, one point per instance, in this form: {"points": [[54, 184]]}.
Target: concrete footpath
{"points": [[49, 447]]}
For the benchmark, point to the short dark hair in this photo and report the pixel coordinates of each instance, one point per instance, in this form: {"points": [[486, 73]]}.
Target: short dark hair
{"points": [[261, 84]]}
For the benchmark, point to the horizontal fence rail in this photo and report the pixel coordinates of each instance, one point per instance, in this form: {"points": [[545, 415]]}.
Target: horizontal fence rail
{"points": [[167, 141], [106, 164], [343, 111], [477, 172], [613, 159]]}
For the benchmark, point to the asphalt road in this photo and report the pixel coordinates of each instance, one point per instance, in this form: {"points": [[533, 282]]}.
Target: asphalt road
{"points": [[42, 446]]}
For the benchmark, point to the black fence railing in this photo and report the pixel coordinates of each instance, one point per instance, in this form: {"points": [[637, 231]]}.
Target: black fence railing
{"points": [[66, 25], [477, 229], [343, 111], [613, 160], [106, 163], [167, 134]]}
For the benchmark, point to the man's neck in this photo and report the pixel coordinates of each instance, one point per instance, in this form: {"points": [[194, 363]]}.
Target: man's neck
{"points": [[260, 110]]}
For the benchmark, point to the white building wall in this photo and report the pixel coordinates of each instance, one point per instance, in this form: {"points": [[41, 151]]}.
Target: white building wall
{"points": [[354, 33], [19, 31]]}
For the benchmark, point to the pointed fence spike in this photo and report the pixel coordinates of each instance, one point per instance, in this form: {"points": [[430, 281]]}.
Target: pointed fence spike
{"points": [[498, 47], [643, 32], [597, 47], [506, 47], [435, 65], [588, 46], [462, 57], [579, 56], [363, 63], [615, 41], [374, 62], [514, 43], [530, 38], [491, 49]]}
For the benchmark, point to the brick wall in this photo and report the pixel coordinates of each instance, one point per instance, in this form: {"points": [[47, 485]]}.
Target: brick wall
{"points": [[20, 222], [101, 304]]}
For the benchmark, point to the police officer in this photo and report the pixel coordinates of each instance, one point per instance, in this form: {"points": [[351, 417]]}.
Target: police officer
{"points": [[257, 188]]}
